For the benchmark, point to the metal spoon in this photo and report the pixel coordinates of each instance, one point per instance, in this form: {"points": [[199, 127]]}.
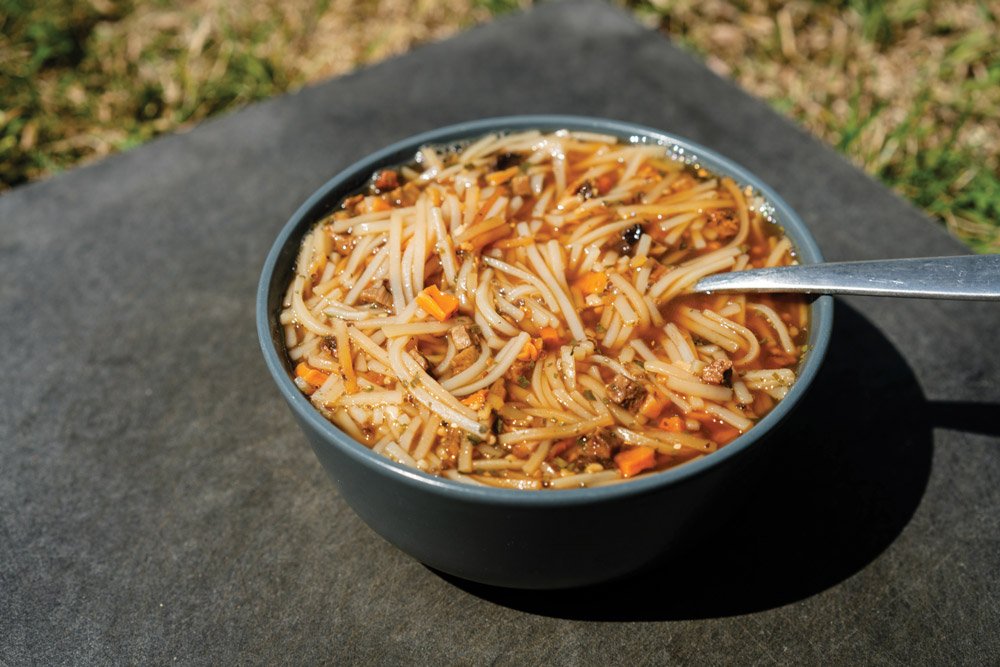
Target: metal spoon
{"points": [[972, 277]]}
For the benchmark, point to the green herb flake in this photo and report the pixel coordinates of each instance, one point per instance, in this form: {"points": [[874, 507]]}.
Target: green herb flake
{"points": [[589, 395], [523, 382]]}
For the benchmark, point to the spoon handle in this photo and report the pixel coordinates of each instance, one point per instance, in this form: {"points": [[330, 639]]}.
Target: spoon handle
{"points": [[972, 277]]}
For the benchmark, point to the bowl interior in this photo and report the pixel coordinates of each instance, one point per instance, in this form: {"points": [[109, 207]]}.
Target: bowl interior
{"points": [[280, 261]]}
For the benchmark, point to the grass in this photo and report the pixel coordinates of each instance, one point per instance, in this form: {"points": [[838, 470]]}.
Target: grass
{"points": [[908, 89]]}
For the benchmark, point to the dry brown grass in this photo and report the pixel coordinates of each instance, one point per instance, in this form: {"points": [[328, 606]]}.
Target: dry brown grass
{"points": [[909, 89]]}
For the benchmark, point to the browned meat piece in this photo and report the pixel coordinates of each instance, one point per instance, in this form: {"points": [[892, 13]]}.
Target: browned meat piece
{"points": [[329, 345], [352, 201], [450, 445], [628, 239], [595, 448], [463, 360], [376, 294], [520, 372], [625, 392], [521, 185], [461, 336], [387, 179], [343, 244], [718, 372], [723, 224], [588, 190]]}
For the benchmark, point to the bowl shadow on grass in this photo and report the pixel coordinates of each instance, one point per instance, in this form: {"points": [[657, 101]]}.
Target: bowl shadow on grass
{"points": [[840, 482]]}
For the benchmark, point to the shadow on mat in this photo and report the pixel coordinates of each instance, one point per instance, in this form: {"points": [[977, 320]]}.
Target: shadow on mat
{"points": [[837, 487]]}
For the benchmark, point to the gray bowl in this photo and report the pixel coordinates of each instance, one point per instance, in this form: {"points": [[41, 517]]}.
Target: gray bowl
{"points": [[527, 539]]}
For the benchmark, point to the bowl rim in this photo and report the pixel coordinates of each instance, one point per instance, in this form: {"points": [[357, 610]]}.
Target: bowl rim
{"points": [[397, 152]]}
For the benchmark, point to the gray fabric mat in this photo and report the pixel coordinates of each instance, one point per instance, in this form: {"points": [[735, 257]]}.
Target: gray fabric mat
{"points": [[157, 502]]}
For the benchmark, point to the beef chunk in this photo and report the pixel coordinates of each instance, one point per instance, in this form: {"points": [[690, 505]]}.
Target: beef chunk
{"points": [[588, 190], [464, 359], [450, 444], [628, 239], [507, 160], [343, 244], [596, 448], [520, 372], [385, 180], [521, 185], [461, 336], [723, 223], [718, 372], [625, 392], [376, 294], [329, 345]]}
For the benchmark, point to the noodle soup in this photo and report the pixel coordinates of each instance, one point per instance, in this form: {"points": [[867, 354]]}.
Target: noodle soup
{"points": [[515, 312]]}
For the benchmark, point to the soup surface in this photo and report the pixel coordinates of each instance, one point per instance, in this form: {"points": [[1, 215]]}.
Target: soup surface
{"points": [[515, 312]]}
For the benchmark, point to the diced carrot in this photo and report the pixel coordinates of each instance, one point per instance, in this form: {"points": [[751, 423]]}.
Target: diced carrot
{"points": [[530, 350], [438, 304], [488, 237], [593, 282], [633, 461], [485, 207], [311, 375], [498, 177], [375, 204], [653, 404], [725, 435], [550, 337], [476, 400], [345, 358], [673, 424]]}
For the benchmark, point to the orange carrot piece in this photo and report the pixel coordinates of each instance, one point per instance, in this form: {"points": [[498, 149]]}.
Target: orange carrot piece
{"points": [[633, 461], [725, 435], [673, 424], [375, 204], [485, 208], [476, 400], [311, 375], [498, 177], [437, 304], [530, 350], [550, 337], [653, 404], [593, 282]]}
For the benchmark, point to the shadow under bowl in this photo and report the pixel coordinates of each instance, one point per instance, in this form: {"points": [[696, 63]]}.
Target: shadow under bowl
{"points": [[529, 539]]}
